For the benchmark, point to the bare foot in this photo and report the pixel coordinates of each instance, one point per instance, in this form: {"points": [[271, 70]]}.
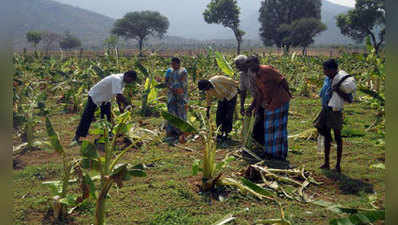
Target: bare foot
{"points": [[325, 166]]}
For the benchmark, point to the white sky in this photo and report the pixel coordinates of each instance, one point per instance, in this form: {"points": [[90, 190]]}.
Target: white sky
{"points": [[344, 2]]}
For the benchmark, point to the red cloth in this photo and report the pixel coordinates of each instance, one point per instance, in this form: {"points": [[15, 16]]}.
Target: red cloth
{"points": [[271, 88]]}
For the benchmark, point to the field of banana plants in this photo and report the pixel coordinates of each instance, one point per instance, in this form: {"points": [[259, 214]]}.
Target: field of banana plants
{"points": [[134, 177]]}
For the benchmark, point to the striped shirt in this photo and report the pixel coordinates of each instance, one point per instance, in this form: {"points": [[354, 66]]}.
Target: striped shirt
{"points": [[224, 88]]}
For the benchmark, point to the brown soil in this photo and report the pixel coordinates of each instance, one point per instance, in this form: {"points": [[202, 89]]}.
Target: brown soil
{"points": [[32, 158]]}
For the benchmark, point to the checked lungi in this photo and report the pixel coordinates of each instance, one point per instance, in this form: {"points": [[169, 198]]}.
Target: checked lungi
{"points": [[275, 132]]}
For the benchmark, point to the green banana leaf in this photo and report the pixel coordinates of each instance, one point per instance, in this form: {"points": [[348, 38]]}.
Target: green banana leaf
{"points": [[88, 150], [223, 64], [361, 217], [179, 123], [153, 92], [142, 69], [54, 139]]}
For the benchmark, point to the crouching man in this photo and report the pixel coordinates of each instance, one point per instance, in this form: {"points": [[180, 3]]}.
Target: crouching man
{"points": [[225, 90], [101, 95]]}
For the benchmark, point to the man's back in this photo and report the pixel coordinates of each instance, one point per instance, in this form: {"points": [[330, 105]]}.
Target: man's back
{"points": [[105, 89], [270, 88]]}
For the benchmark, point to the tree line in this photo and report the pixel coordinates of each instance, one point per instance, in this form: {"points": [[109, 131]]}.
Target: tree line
{"points": [[284, 24]]}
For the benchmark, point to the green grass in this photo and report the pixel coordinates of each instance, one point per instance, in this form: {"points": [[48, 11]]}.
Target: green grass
{"points": [[168, 194]]}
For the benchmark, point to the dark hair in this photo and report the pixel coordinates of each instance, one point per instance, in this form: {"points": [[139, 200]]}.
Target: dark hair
{"points": [[253, 58], [330, 64], [176, 60], [132, 74], [204, 85]]}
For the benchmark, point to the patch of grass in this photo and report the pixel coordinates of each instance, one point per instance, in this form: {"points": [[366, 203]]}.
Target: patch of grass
{"points": [[172, 217], [40, 172], [352, 132]]}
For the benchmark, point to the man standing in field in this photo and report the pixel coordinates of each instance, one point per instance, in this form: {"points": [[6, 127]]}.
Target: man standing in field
{"points": [[272, 95], [101, 95], [225, 90], [177, 102], [331, 116], [247, 84]]}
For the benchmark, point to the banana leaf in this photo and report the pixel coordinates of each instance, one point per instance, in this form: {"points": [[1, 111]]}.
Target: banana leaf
{"points": [[362, 217], [88, 150], [54, 140], [178, 123], [142, 69], [153, 92], [256, 188], [223, 64]]}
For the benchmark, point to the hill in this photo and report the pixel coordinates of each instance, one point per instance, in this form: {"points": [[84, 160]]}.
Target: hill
{"points": [[92, 28], [91, 20]]}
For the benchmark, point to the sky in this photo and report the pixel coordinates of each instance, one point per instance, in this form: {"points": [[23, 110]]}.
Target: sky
{"points": [[350, 3]]}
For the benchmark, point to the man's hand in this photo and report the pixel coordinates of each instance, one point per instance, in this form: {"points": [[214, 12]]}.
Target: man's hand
{"points": [[121, 99]]}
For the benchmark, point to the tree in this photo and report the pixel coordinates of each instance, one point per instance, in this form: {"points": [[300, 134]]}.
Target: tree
{"points": [[225, 12], [367, 19], [69, 41], [141, 25], [111, 42], [34, 37], [302, 32], [279, 20], [50, 39]]}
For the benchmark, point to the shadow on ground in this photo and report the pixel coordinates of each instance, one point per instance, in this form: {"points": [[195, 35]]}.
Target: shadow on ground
{"points": [[227, 144], [348, 185]]}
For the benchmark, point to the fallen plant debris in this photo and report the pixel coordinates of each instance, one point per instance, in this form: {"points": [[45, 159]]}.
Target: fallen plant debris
{"points": [[289, 183]]}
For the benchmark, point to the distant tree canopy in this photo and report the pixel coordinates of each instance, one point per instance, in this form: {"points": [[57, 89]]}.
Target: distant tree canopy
{"points": [[367, 19], [34, 37], [141, 25], [111, 42], [69, 42], [50, 40], [225, 12], [287, 23], [301, 32]]}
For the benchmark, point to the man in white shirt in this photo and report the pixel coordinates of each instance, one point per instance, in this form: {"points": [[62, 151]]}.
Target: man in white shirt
{"points": [[101, 95]]}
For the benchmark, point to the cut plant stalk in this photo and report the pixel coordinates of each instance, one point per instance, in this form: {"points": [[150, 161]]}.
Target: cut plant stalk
{"points": [[247, 130]]}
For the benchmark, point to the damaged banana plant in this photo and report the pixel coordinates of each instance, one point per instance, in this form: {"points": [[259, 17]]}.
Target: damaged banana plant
{"points": [[210, 169], [107, 166], [59, 188], [247, 130]]}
